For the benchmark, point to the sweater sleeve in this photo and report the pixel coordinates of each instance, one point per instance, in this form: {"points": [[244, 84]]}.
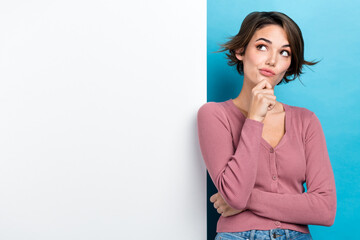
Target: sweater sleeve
{"points": [[317, 206], [232, 168]]}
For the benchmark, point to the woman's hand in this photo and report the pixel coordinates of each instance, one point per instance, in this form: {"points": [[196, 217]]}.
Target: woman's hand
{"points": [[222, 207], [262, 100]]}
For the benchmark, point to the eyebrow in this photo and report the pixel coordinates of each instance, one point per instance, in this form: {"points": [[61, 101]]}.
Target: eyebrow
{"points": [[268, 41]]}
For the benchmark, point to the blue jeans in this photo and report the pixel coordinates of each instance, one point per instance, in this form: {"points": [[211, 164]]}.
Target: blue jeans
{"points": [[273, 234]]}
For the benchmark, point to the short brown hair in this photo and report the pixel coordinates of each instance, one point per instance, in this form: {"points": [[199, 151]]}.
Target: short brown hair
{"points": [[257, 20]]}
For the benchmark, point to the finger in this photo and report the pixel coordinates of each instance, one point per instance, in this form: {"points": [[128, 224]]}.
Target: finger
{"points": [[264, 90], [263, 83], [268, 96], [269, 99], [271, 104], [213, 198], [268, 85]]}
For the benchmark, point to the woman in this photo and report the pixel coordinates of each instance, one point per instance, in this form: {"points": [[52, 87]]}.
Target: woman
{"points": [[258, 151]]}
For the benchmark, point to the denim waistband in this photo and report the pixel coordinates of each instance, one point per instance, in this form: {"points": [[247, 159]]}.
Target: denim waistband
{"points": [[272, 234]]}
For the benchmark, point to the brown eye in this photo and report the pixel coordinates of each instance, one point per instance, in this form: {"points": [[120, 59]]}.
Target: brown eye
{"points": [[259, 46]]}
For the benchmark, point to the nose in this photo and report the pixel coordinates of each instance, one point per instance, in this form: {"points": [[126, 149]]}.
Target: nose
{"points": [[271, 59]]}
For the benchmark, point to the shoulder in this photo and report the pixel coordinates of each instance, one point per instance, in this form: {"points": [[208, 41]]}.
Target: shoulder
{"points": [[301, 111], [306, 122], [213, 112], [211, 108], [302, 114], [309, 120]]}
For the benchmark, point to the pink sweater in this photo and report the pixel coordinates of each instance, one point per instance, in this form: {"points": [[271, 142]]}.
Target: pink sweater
{"points": [[267, 181]]}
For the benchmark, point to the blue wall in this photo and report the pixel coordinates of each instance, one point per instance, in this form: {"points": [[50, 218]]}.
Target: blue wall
{"points": [[331, 88]]}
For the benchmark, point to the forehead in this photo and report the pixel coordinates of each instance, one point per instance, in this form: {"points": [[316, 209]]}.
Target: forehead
{"points": [[274, 33]]}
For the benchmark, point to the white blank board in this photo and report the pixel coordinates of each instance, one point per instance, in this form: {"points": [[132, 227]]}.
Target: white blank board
{"points": [[98, 103]]}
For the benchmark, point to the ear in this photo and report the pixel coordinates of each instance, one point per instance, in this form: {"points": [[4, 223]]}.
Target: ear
{"points": [[237, 54]]}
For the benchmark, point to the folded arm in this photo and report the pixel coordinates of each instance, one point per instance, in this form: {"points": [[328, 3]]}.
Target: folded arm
{"points": [[317, 206]]}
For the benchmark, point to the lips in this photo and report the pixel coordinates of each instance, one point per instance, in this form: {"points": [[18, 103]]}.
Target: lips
{"points": [[267, 72]]}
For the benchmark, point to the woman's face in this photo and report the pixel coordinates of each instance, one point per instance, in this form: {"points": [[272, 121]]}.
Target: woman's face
{"points": [[268, 50]]}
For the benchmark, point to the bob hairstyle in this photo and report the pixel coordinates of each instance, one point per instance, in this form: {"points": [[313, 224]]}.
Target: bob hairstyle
{"points": [[258, 20]]}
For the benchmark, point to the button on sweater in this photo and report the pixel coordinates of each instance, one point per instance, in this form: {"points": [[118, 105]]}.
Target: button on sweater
{"points": [[264, 181]]}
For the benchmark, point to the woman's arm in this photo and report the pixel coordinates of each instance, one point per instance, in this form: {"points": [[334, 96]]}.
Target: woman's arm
{"points": [[317, 206], [232, 172]]}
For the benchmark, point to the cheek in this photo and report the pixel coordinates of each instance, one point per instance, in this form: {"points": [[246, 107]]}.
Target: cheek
{"points": [[252, 62], [255, 59], [285, 66]]}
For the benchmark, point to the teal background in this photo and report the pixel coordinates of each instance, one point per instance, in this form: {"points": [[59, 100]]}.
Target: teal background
{"points": [[330, 88]]}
